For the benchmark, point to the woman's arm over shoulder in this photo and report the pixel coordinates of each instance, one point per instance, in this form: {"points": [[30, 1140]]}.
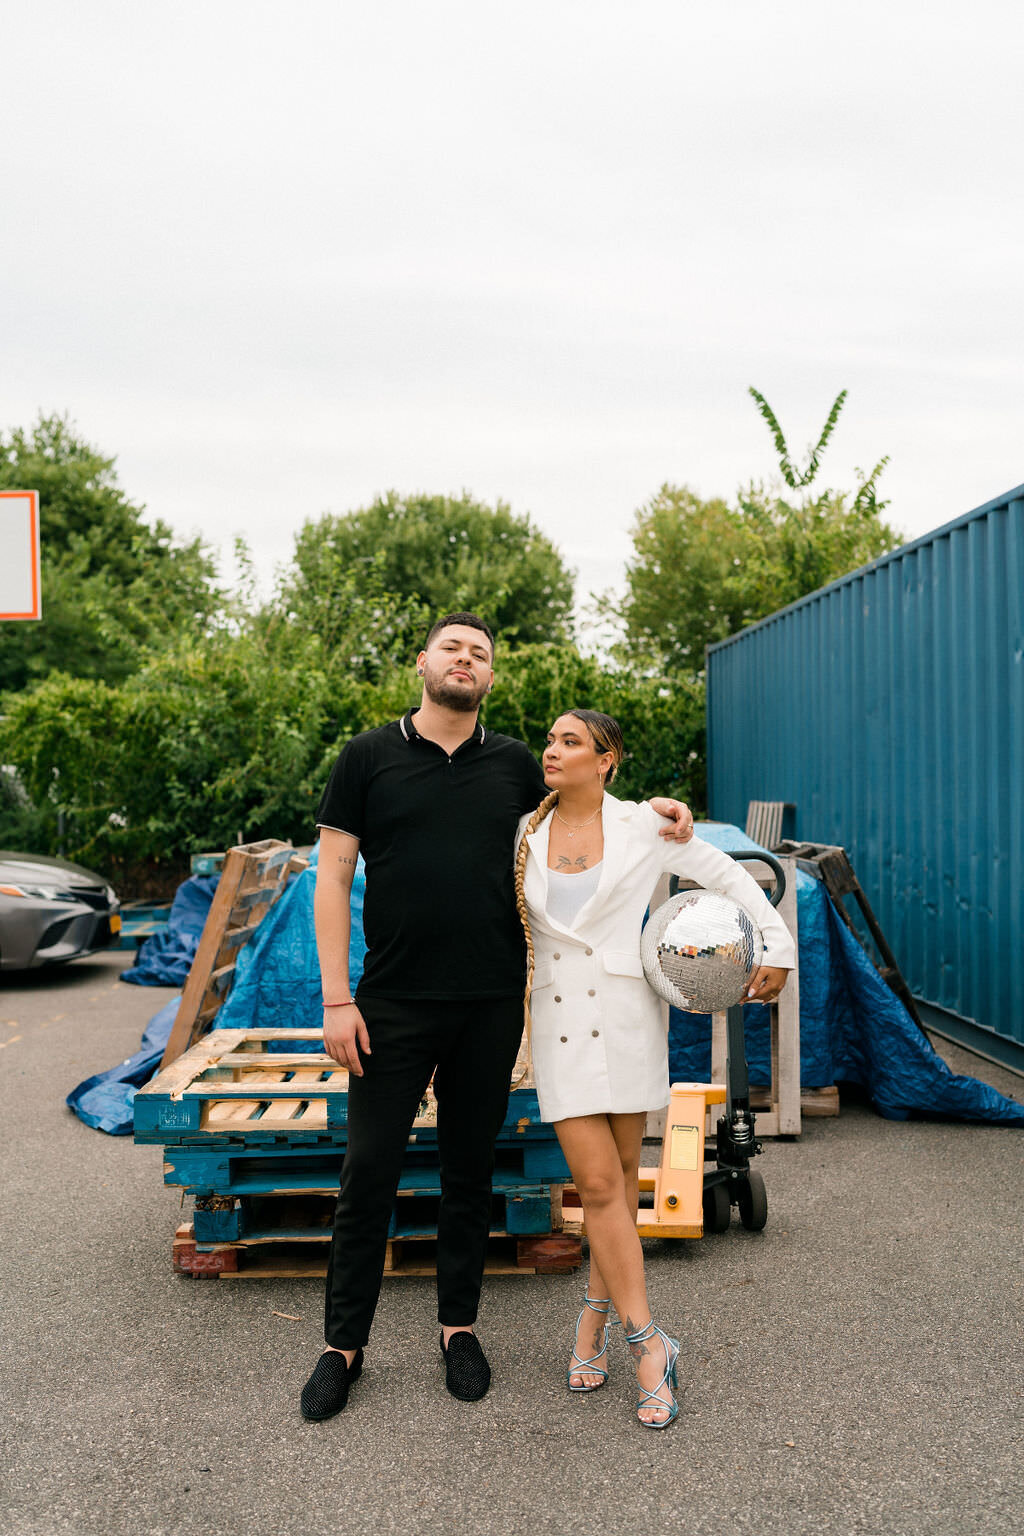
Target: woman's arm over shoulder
{"points": [[675, 816]]}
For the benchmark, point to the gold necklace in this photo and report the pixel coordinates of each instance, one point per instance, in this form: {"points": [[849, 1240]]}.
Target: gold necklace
{"points": [[578, 824]]}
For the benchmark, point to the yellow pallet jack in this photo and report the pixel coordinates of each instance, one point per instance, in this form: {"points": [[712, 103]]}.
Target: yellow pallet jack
{"points": [[694, 1186]]}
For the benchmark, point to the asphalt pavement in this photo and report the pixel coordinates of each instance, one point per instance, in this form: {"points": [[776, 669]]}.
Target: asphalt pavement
{"points": [[856, 1367]]}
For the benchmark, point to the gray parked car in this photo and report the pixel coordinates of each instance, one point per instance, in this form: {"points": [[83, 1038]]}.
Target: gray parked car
{"points": [[52, 910]]}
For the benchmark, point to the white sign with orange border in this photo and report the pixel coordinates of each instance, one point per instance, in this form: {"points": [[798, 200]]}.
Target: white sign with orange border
{"points": [[20, 593]]}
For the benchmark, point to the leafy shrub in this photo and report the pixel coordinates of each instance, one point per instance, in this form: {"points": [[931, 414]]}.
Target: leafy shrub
{"points": [[235, 736]]}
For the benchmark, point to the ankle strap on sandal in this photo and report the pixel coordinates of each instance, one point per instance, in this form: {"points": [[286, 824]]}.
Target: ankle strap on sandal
{"points": [[643, 1334], [602, 1306]]}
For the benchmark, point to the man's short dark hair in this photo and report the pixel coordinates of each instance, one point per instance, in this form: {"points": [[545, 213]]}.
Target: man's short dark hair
{"points": [[470, 620]]}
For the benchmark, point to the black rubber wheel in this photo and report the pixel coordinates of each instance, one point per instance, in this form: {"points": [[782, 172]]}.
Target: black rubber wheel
{"points": [[716, 1208], [752, 1200]]}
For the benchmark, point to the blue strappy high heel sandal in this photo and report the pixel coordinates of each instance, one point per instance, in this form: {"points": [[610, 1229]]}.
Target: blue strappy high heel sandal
{"points": [[601, 1305], [652, 1399]]}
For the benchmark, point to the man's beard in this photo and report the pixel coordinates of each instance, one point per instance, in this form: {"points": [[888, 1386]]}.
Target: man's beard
{"points": [[451, 695]]}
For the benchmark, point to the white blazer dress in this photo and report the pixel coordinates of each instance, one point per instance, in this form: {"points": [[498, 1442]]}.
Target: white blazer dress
{"points": [[599, 1038]]}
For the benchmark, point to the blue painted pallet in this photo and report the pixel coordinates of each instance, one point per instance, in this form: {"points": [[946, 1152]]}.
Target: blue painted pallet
{"points": [[172, 1123], [239, 1086], [229, 1170], [140, 920], [520, 1210]]}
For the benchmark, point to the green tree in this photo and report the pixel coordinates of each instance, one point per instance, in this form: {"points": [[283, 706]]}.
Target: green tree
{"points": [[113, 583], [703, 570], [363, 632], [438, 554]]}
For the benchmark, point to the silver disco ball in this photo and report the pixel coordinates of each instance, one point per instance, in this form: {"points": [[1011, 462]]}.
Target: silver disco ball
{"points": [[699, 951]]}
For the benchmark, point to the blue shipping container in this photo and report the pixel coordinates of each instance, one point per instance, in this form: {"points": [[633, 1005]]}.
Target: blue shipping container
{"points": [[891, 711]]}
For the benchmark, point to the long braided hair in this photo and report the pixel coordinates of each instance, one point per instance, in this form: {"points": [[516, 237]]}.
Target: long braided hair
{"points": [[522, 854], [522, 1072]]}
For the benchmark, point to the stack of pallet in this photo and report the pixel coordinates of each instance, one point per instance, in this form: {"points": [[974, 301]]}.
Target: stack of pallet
{"points": [[254, 1127], [253, 1123]]}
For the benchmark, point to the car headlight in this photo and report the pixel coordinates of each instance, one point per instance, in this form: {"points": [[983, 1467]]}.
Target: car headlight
{"points": [[47, 892]]}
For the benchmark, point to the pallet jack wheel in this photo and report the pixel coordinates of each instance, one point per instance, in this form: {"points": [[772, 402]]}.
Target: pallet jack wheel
{"points": [[752, 1201], [716, 1208]]}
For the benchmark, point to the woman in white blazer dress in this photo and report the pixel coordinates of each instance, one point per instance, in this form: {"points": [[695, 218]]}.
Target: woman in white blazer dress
{"points": [[586, 868]]}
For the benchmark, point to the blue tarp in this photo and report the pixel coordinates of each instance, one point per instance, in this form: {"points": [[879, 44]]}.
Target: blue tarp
{"points": [[852, 1028], [277, 978], [105, 1101], [165, 958]]}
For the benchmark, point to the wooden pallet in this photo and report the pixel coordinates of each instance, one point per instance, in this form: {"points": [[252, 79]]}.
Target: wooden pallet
{"points": [[140, 920], [207, 863], [253, 879], [517, 1210], [557, 1253], [228, 1082], [244, 1171], [276, 1089], [817, 1103]]}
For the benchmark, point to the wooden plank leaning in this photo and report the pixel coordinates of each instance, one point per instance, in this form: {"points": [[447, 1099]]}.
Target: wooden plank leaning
{"points": [[253, 878], [768, 821]]}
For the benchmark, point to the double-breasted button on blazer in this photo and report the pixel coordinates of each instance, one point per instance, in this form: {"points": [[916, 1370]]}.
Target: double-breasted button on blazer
{"points": [[599, 1039]]}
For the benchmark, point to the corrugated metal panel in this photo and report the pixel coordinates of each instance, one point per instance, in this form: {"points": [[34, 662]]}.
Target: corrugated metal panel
{"points": [[889, 708]]}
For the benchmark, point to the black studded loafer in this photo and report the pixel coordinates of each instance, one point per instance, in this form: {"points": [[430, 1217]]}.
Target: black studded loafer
{"points": [[326, 1391], [467, 1374]]}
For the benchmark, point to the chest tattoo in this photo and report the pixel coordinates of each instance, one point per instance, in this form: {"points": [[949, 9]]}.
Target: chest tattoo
{"points": [[565, 863]]}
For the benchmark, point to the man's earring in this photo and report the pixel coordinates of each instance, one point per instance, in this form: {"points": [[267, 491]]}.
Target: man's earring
{"points": [[419, 671]]}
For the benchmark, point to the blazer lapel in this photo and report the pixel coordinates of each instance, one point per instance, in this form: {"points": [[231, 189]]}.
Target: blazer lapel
{"points": [[611, 860], [535, 884]]}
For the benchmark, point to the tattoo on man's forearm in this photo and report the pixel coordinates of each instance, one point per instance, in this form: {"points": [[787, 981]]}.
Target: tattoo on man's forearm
{"points": [[342, 859]]}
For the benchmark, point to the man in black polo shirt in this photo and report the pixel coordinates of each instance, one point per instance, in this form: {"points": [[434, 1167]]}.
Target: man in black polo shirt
{"points": [[433, 802]]}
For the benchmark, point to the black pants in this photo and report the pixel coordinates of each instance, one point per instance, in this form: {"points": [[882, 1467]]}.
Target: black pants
{"points": [[472, 1044]]}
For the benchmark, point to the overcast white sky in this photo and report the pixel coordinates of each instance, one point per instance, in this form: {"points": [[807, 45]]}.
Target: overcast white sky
{"points": [[279, 258]]}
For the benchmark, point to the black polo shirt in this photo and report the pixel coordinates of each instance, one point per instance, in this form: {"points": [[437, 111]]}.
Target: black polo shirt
{"points": [[437, 834]]}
